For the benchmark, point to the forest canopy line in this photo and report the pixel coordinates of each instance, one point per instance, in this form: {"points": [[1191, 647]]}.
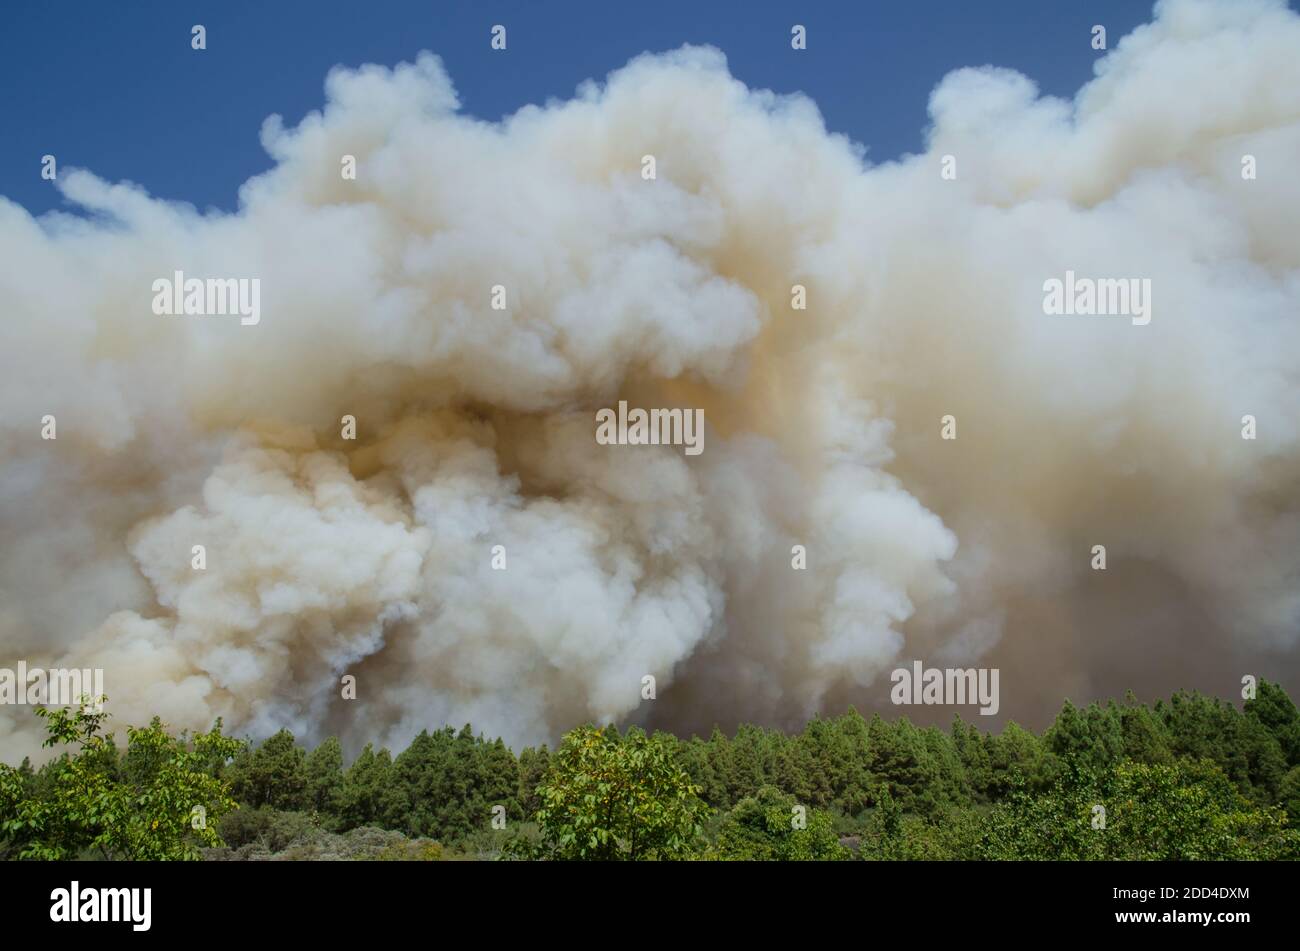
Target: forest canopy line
{"points": [[1191, 777]]}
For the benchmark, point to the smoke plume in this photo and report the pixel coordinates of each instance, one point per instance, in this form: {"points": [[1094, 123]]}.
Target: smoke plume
{"points": [[374, 557]]}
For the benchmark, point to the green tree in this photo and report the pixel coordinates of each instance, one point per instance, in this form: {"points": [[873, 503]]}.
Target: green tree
{"points": [[1277, 714], [533, 764], [949, 833], [1016, 760], [767, 827], [1289, 795], [367, 793], [610, 798], [323, 772], [1144, 737], [1188, 811], [165, 804], [974, 757], [827, 764], [1093, 737], [919, 766], [271, 775], [445, 785]]}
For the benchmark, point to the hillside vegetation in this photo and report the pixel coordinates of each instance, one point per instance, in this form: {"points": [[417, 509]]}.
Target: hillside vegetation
{"points": [[1191, 777]]}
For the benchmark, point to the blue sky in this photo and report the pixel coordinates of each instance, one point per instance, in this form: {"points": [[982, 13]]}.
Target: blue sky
{"points": [[114, 87]]}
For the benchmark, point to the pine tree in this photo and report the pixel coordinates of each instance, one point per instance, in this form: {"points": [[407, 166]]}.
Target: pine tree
{"points": [[323, 769]]}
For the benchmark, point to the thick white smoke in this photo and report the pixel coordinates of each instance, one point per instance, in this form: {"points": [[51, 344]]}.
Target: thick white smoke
{"points": [[374, 557]]}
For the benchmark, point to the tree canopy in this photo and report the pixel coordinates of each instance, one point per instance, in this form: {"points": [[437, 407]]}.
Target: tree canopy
{"points": [[1190, 776]]}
